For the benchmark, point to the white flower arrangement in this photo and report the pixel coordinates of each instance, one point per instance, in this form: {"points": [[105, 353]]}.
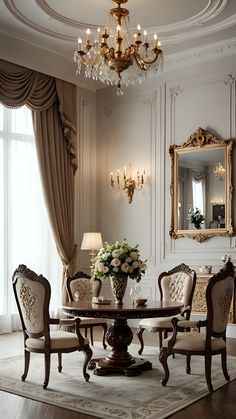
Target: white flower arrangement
{"points": [[119, 260]]}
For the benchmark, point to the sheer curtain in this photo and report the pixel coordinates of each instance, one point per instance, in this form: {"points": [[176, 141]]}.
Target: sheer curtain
{"points": [[26, 237]]}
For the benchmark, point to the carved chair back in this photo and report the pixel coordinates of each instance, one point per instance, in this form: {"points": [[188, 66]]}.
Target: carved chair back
{"points": [[32, 293], [219, 293], [82, 284], [178, 284]]}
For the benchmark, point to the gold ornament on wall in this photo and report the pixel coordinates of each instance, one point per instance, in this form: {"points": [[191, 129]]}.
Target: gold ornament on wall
{"points": [[127, 182]]}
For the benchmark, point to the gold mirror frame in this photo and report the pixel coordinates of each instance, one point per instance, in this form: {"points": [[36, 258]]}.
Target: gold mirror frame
{"points": [[196, 142]]}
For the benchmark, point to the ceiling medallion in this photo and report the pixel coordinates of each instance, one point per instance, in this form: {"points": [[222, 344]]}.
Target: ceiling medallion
{"points": [[117, 56]]}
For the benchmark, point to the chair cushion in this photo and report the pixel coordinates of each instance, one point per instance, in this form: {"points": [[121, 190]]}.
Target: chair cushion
{"points": [[193, 341], [59, 340], [158, 322]]}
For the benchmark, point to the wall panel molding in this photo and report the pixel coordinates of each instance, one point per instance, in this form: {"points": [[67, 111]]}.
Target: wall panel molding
{"points": [[211, 87], [86, 187]]}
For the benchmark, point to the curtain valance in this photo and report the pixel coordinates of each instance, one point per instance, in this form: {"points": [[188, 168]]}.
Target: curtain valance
{"points": [[53, 105], [21, 86]]}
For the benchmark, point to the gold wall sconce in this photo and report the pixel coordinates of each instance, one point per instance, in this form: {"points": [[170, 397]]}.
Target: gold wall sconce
{"points": [[127, 182]]}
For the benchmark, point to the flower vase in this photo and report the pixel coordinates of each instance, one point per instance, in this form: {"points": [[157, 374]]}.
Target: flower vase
{"points": [[118, 287]]}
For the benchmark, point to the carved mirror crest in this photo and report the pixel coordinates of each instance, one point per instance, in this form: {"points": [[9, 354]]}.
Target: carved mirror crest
{"points": [[201, 187]]}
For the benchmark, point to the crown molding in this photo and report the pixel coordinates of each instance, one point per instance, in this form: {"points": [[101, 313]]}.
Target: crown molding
{"points": [[201, 54], [191, 28]]}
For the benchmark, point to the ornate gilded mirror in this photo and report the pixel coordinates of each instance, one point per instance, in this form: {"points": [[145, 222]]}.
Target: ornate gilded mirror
{"points": [[201, 187]]}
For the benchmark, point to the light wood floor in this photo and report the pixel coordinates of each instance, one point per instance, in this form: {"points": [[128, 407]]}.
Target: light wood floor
{"points": [[215, 406]]}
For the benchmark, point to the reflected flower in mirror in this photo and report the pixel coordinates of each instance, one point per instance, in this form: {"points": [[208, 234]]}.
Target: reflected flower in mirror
{"points": [[196, 217]]}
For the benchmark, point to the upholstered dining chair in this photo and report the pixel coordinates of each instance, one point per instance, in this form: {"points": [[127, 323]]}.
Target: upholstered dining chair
{"points": [[32, 293], [178, 284], [219, 292], [81, 287]]}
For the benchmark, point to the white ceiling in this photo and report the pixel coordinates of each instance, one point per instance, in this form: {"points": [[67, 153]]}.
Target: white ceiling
{"points": [[181, 25]]}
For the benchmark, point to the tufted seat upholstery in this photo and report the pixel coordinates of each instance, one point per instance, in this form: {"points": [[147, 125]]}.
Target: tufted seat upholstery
{"points": [[177, 284], [82, 287], [219, 293], [32, 293]]}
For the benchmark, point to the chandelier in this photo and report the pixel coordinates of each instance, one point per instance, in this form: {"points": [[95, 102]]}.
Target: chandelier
{"points": [[219, 171], [116, 56]]}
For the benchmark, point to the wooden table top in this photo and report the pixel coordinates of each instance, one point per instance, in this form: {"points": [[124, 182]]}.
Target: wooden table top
{"points": [[127, 310]]}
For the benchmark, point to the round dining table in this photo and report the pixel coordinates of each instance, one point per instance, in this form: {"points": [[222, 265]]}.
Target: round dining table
{"points": [[119, 335]]}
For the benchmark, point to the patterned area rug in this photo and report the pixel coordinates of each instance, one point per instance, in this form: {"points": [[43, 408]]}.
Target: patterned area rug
{"points": [[114, 396]]}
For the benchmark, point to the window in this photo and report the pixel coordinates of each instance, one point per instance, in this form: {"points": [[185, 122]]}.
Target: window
{"points": [[25, 232]]}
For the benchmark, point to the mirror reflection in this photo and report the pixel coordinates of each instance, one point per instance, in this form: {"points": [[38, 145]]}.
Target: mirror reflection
{"points": [[201, 187]]}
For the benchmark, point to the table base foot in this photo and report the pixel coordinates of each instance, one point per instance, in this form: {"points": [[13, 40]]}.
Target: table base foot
{"points": [[101, 367]]}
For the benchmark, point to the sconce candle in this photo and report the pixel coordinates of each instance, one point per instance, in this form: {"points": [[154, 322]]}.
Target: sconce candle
{"points": [[129, 184]]}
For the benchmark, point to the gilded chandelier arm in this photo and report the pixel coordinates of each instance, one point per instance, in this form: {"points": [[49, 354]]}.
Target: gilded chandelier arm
{"points": [[142, 63]]}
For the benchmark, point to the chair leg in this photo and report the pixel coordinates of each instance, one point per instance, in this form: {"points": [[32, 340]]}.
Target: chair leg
{"points": [[208, 372], [85, 332], [188, 361], [91, 335], [140, 336], [163, 360], [59, 362], [160, 339], [88, 355], [104, 326], [224, 365], [27, 362], [47, 361]]}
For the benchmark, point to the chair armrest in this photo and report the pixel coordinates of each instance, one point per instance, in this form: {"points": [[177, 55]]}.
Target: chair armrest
{"points": [[54, 321], [183, 324], [69, 322], [65, 322], [172, 339], [186, 324], [77, 321], [185, 310]]}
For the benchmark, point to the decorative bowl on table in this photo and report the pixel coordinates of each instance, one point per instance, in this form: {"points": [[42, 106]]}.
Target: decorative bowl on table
{"points": [[140, 301], [101, 300]]}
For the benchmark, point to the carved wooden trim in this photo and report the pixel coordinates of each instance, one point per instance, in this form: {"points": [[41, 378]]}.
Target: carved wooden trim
{"points": [[201, 138], [199, 298]]}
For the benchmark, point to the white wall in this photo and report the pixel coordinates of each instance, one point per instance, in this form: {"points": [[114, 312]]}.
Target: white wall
{"points": [[139, 127]]}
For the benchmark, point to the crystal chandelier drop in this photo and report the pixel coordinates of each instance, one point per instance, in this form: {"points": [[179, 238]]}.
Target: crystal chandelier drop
{"points": [[116, 56]]}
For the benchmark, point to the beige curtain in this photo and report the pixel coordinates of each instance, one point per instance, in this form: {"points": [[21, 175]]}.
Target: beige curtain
{"points": [[53, 105]]}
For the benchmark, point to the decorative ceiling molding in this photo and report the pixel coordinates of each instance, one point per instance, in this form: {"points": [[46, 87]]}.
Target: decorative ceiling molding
{"points": [[170, 32], [10, 4], [196, 34], [213, 9], [43, 5], [200, 54]]}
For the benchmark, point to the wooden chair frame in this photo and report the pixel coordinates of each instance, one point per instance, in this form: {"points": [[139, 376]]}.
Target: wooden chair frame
{"points": [[23, 272], [208, 352], [186, 312], [96, 291]]}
